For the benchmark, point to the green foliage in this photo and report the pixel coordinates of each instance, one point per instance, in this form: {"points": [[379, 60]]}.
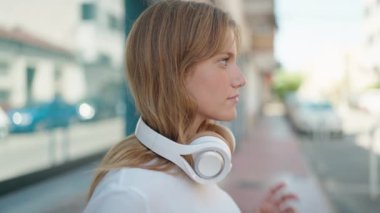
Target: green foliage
{"points": [[286, 82], [373, 86]]}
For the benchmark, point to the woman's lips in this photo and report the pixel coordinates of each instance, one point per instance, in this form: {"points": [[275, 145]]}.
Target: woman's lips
{"points": [[234, 98]]}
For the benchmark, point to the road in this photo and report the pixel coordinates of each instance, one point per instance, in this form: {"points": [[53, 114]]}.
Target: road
{"points": [[342, 168]]}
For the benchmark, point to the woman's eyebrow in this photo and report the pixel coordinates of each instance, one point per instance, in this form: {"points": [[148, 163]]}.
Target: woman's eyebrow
{"points": [[227, 53]]}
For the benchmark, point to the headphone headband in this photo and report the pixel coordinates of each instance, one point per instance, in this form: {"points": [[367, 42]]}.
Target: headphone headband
{"points": [[174, 151]]}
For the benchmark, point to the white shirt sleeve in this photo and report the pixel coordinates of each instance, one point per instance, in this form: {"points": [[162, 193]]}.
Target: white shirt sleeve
{"points": [[117, 200]]}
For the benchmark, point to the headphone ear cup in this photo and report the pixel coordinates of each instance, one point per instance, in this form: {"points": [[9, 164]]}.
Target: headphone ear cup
{"points": [[209, 163]]}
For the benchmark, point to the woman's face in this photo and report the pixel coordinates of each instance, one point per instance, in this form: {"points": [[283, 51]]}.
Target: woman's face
{"points": [[215, 84]]}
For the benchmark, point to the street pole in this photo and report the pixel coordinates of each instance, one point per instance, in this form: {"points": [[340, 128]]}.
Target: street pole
{"points": [[133, 8], [66, 144], [51, 146]]}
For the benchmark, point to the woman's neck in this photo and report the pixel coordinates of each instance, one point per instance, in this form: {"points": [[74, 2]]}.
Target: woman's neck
{"points": [[196, 124]]}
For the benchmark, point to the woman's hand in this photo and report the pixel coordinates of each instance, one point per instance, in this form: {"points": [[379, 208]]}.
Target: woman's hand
{"points": [[277, 202]]}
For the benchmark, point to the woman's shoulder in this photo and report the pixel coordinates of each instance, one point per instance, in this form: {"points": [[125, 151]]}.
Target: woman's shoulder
{"points": [[137, 176], [144, 180], [156, 190]]}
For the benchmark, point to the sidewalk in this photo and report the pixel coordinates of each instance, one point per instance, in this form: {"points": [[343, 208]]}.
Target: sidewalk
{"points": [[270, 154]]}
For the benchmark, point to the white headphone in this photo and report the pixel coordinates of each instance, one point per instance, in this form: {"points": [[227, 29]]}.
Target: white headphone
{"points": [[212, 156]]}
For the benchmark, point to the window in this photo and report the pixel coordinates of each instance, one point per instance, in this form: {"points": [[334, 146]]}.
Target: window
{"points": [[367, 11], [4, 96], [57, 74], [113, 23], [103, 58], [370, 40], [88, 11], [30, 73], [3, 68]]}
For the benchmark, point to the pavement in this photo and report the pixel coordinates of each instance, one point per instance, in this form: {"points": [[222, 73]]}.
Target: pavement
{"points": [[269, 154], [65, 193]]}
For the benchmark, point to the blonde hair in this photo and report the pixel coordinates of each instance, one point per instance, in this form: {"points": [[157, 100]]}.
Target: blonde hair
{"points": [[165, 42]]}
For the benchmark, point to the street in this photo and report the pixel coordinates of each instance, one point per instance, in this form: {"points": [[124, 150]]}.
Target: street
{"points": [[342, 168]]}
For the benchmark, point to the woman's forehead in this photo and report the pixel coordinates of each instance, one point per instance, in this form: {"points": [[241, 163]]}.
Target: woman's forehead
{"points": [[229, 45]]}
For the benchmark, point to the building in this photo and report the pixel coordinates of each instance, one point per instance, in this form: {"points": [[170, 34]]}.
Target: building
{"points": [[261, 23], [91, 29], [371, 47], [34, 70]]}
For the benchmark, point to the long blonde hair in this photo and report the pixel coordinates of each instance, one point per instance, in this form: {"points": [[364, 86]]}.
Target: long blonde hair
{"points": [[165, 42]]}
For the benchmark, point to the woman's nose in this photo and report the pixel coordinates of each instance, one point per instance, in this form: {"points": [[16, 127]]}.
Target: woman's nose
{"points": [[238, 78]]}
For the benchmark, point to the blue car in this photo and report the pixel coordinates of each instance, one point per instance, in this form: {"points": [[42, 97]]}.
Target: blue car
{"points": [[50, 115]]}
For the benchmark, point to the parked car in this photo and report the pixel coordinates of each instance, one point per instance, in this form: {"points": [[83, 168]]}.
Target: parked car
{"points": [[4, 124], [314, 116], [53, 114], [86, 111], [368, 101], [98, 108]]}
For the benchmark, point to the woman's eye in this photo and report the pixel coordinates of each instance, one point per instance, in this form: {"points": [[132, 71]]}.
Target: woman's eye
{"points": [[224, 61]]}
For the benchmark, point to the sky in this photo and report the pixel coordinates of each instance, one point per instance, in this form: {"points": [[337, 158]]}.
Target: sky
{"points": [[308, 29]]}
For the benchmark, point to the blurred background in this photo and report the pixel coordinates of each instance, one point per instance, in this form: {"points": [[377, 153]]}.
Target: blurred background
{"points": [[312, 69]]}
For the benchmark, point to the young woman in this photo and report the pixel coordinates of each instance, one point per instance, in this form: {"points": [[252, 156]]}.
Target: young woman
{"points": [[182, 71]]}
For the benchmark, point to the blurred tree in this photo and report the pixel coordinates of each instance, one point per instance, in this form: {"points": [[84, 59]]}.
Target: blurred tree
{"points": [[373, 86], [285, 82]]}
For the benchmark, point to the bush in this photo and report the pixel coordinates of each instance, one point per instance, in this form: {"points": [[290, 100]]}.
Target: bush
{"points": [[285, 82]]}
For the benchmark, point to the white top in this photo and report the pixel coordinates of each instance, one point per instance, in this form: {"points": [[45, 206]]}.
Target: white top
{"points": [[136, 190]]}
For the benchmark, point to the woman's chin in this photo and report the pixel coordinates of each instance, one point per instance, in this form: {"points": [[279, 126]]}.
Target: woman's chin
{"points": [[227, 117]]}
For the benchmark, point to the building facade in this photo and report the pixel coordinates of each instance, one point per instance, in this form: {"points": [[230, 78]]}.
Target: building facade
{"points": [[371, 47], [91, 29], [34, 70], [261, 24]]}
